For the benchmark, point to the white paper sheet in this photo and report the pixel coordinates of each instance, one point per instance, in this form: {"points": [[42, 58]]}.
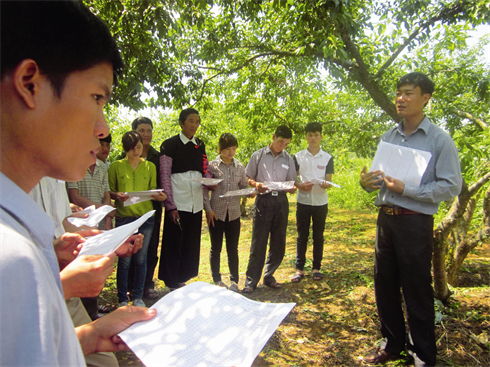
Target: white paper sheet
{"points": [[279, 186], [205, 325], [402, 163], [109, 241], [94, 216], [208, 181], [136, 197], [319, 182], [238, 192]]}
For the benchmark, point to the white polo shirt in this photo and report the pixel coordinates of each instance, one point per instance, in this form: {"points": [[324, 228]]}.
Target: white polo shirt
{"points": [[311, 167]]}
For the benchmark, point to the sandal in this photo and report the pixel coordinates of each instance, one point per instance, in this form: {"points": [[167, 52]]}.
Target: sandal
{"points": [[151, 294], [247, 290], [274, 285], [296, 278], [104, 309], [317, 276]]}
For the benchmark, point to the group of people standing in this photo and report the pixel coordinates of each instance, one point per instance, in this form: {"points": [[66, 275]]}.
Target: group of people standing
{"points": [[177, 168], [53, 90]]}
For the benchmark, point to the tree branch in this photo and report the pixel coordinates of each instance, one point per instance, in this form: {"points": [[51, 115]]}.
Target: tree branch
{"points": [[245, 64], [473, 119], [444, 14]]}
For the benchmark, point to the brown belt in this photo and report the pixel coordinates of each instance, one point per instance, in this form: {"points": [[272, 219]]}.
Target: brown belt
{"points": [[397, 211]]}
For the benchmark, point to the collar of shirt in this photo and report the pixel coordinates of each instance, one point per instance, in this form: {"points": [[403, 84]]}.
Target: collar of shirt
{"points": [[319, 154], [424, 125], [268, 150], [185, 140], [31, 215], [233, 162]]}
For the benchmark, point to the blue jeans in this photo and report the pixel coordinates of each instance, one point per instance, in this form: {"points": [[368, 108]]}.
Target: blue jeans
{"points": [[139, 259]]}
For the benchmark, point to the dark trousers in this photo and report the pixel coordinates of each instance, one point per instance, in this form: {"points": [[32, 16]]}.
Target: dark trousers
{"points": [[231, 230], [305, 214], [92, 306], [179, 258], [270, 217], [152, 255], [403, 259]]}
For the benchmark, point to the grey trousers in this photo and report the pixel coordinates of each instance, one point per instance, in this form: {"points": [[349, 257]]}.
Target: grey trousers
{"points": [[270, 218]]}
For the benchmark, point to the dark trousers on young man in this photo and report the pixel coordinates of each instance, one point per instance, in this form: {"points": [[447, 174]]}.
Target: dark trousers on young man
{"points": [[305, 214], [270, 217], [231, 230], [403, 259], [181, 247]]}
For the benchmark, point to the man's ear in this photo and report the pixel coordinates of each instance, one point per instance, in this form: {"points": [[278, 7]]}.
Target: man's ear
{"points": [[26, 79], [426, 97], [274, 137]]}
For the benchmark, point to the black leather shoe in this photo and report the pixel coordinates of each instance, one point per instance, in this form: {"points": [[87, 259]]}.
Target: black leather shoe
{"points": [[380, 356]]}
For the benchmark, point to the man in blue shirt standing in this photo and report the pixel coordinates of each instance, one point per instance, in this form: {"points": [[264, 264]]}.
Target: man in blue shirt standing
{"points": [[405, 227]]}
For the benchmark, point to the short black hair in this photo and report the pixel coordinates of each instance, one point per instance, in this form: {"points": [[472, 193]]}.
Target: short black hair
{"points": [[283, 131], [130, 140], [141, 120], [60, 36], [313, 127], [185, 113], [418, 80], [227, 140], [107, 139]]}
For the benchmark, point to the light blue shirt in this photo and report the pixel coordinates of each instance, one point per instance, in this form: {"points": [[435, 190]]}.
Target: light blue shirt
{"points": [[442, 179], [36, 329]]}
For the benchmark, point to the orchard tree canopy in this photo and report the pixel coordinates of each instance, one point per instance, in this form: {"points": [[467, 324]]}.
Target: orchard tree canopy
{"points": [[188, 50]]}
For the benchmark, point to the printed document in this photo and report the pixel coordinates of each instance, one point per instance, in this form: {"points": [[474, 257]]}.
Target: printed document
{"points": [[94, 216], [109, 241], [279, 186], [205, 325], [208, 181], [405, 164], [238, 192], [136, 197]]}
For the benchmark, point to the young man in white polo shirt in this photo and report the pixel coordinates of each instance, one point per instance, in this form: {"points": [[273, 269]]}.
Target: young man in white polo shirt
{"points": [[315, 169]]}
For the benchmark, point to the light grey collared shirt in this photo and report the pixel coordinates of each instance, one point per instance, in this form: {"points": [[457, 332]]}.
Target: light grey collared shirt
{"points": [[266, 167], [442, 179], [38, 331]]}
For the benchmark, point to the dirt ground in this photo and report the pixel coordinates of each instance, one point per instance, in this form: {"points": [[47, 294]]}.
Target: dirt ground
{"points": [[334, 322]]}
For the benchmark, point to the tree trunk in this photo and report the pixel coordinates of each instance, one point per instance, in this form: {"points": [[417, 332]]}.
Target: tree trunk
{"points": [[444, 229], [464, 248]]}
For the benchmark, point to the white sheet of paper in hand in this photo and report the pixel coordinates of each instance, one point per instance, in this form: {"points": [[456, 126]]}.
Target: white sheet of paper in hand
{"points": [[402, 163], [205, 325], [319, 182], [279, 186], [208, 181], [109, 241], [238, 192], [136, 197], [94, 216]]}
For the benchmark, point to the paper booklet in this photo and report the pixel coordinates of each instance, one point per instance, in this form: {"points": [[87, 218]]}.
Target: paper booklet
{"points": [[205, 325], [109, 241], [405, 164]]}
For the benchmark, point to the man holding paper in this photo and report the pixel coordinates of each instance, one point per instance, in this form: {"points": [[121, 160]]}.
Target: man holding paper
{"points": [[315, 169], [183, 160], [270, 164], [405, 226]]}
